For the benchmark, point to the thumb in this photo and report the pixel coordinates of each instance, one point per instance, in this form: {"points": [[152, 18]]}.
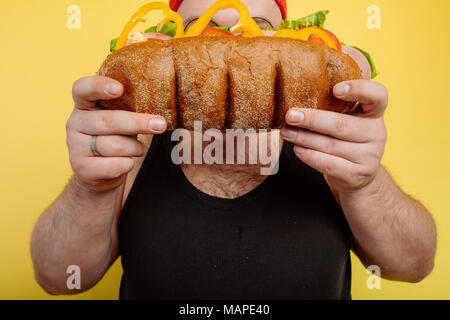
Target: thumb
{"points": [[87, 91], [373, 96]]}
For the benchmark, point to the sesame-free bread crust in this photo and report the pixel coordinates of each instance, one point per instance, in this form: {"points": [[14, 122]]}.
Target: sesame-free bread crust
{"points": [[228, 82]]}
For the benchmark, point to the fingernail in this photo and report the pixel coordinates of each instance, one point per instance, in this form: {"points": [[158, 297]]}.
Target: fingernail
{"points": [[341, 89], [299, 150], [113, 88], [157, 124], [289, 133], [295, 116]]}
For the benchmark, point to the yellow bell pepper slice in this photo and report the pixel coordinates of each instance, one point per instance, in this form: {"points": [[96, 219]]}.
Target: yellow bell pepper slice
{"points": [[169, 15], [305, 33], [246, 24]]}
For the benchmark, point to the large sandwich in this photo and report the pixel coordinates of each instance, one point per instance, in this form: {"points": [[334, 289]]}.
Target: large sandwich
{"points": [[239, 77]]}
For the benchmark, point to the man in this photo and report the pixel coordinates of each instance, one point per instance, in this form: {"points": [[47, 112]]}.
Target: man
{"points": [[224, 231]]}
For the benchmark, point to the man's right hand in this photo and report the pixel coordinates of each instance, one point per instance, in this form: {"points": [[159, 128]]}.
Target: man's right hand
{"points": [[116, 133]]}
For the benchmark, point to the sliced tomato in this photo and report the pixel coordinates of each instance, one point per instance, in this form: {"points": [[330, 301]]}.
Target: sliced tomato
{"points": [[213, 32], [316, 38], [335, 39]]}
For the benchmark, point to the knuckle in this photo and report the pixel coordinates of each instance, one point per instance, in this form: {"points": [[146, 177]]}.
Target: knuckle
{"points": [[301, 137], [78, 165], [358, 125], [385, 93], [379, 92], [95, 85], [364, 85], [355, 88], [140, 148], [364, 172], [70, 124], [106, 120], [332, 146], [117, 145], [383, 134], [370, 153], [70, 144], [83, 86], [376, 153], [138, 120], [329, 168], [341, 125], [76, 87], [114, 168], [119, 167], [310, 118], [380, 133]]}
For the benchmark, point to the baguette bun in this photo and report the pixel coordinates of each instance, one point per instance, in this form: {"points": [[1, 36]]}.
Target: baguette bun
{"points": [[228, 82]]}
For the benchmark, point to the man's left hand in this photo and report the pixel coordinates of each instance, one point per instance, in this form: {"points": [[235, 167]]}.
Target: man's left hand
{"points": [[347, 149]]}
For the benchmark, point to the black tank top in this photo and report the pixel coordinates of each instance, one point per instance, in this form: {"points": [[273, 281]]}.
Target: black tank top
{"points": [[286, 239]]}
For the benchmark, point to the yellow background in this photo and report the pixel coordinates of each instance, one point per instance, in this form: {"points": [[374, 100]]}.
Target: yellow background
{"points": [[40, 58]]}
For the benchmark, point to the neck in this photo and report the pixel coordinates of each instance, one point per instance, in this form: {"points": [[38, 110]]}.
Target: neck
{"points": [[224, 181]]}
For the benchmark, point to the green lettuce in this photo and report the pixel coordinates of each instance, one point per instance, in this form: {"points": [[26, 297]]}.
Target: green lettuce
{"points": [[223, 28], [371, 62], [169, 28], [314, 20], [152, 29], [112, 44]]}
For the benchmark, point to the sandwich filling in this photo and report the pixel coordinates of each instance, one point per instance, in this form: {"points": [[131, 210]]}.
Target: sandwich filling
{"points": [[309, 28]]}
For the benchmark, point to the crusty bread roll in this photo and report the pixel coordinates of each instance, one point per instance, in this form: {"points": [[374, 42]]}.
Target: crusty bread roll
{"points": [[228, 82]]}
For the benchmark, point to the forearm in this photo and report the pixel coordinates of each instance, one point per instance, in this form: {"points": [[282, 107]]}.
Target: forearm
{"points": [[390, 229], [77, 229]]}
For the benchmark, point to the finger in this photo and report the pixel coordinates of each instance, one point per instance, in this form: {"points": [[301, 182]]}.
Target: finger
{"points": [[307, 139], [113, 146], [326, 164], [87, 91], [118, 122], [340, 126], [102, 168], [372, 95]]}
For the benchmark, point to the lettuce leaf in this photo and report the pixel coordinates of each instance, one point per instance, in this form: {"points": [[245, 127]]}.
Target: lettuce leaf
{"points": [[152, 29], [223, 28], [169, 28], [112, 44], [316, 19], [371, 62]]}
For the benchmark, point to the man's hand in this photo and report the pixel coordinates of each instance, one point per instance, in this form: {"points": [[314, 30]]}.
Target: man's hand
{"points": [[389, 228], [80, 227], [116, 130], [347, 149]]}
